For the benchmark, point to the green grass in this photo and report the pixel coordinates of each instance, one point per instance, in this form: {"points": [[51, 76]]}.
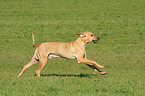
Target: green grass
{"points": [[119, 23]]}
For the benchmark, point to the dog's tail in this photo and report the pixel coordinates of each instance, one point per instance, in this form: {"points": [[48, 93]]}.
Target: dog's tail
{"points": [[34, 45]]}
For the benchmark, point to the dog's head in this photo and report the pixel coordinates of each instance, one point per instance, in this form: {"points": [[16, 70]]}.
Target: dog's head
{"points": [[88, 37]]}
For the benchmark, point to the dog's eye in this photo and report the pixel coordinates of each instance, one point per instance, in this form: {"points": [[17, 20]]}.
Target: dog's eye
{"points": [[92, 35]]}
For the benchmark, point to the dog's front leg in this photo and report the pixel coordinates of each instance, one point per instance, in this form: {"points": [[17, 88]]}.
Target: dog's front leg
{"points": [[96, 69], [86, 61]]}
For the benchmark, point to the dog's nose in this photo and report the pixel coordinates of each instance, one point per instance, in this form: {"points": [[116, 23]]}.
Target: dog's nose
{"points": [[98, 38]]}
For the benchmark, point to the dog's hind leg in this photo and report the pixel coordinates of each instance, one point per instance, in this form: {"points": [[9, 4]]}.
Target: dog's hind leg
{"points": [[51, 55], [33, 61], [41, 65]]}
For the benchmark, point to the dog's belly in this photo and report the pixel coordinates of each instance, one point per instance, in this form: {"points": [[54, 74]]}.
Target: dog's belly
{"points": [[68, 57]]}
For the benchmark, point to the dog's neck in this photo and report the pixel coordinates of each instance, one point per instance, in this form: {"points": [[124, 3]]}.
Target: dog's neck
{"points": [[83, 43]]}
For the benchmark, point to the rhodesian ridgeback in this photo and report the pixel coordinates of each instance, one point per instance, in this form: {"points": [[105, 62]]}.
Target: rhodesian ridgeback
{"points": [[69, 50]]}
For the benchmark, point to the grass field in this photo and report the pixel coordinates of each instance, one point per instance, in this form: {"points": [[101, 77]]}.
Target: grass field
{"points": [[119, 23]]}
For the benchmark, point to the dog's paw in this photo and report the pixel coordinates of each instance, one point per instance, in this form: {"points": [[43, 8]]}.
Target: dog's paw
{"points": [[101, 66], [103, 73]]}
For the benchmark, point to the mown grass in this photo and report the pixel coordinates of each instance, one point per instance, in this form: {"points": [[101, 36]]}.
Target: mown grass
{"points": [[121, 49]]}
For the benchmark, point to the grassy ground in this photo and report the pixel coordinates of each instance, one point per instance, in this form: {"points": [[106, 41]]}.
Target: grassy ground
{"points": [[119, 23]]}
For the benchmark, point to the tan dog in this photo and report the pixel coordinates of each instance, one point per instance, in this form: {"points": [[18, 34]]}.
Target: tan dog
{"points": [[70, 50]]}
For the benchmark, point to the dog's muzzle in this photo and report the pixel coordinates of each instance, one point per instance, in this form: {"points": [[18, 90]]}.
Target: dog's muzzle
{"points": [[95, 41]]}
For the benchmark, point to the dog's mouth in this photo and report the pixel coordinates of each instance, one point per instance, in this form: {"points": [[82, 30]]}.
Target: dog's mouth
{"points": [[94, 41]]}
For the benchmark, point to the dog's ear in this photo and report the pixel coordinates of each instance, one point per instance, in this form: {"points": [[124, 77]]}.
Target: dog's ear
{"points": [[81, 35], [78, 34]]}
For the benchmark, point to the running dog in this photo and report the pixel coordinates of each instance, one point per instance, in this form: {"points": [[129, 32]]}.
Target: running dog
{"points": [[69, 50]]}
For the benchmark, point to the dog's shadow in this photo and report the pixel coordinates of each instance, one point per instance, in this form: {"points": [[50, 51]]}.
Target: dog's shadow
{"points": [[81, 75]]}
